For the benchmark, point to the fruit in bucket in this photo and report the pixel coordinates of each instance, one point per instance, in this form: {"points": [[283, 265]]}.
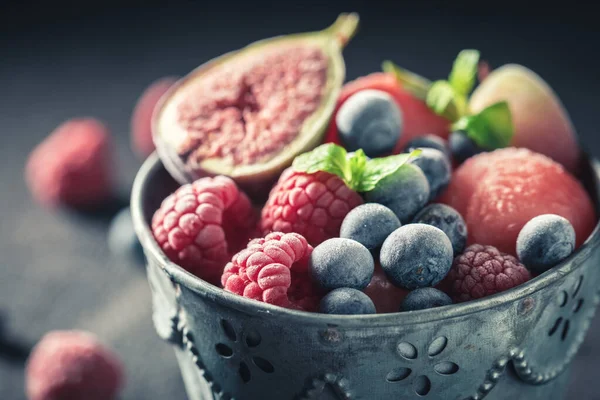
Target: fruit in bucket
{"points": [[346, 232], [248, 113]]}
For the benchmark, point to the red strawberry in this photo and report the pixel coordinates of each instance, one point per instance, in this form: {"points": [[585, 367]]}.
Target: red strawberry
{"points": [[418, 118], [313, 205]]}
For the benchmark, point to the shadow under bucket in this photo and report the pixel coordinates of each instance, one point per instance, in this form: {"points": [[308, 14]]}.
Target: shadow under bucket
{"points": [[514, 345]]}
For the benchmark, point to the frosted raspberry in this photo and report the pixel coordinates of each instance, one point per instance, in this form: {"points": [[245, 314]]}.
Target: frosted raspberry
{"points": [[141, 119], [72, 166], [273, 269], [72, 365], [482, 271], [313, 205], [202, 223]]}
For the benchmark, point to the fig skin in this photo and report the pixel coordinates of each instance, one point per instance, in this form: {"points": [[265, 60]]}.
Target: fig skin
{"points": [[256, 179], [541, 122]]}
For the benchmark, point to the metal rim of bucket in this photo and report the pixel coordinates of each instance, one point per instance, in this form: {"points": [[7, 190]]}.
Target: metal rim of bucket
{"points": [[253, 307]]}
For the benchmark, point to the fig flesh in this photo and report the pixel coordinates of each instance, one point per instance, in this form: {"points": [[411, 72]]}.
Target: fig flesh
{"points": [[247, 114]]}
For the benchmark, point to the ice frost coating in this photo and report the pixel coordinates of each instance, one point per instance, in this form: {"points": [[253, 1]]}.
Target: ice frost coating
{"points": [[252, 109]]}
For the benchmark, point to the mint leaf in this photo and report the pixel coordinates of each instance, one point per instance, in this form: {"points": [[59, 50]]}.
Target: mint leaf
{"points": [[357, 163], [327, 157], [444, 101], [378, 168], [413, 83], [491, 128], [464, 71]]}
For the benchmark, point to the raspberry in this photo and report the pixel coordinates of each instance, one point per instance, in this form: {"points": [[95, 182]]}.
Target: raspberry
{"points": [[313, 205], [273, 269], [73, 365], [72, 165], [141, 119], [482, 271], [202, 223]]}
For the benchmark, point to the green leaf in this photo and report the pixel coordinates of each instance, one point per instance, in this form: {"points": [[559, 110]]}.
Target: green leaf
{"points": [[464, 72], [491, 128], [328, 157], [413, 83], [378, 168], [444, 101], [357, 163]]}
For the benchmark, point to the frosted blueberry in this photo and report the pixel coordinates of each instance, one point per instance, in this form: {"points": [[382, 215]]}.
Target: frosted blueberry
{"points": [[369, 120], [340, 262], [545, 241], [448, 220], [416, 256], [436, 167], [420, 299], [405, 192], [346, 301], [369, 224]]}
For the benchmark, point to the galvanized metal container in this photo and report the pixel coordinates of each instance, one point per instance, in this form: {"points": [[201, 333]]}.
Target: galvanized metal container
{"points": [[514, 345]]}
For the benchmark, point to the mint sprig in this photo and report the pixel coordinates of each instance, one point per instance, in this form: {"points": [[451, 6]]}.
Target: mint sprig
{"points": [[358, 173], [491, 128], [464, 72], [442, 99], [448, 98], [328, 157]]}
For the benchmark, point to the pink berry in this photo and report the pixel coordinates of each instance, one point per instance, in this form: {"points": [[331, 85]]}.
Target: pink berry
{"points": [[483, 271], [73, 365], [313, 205], [202, 223], [274, 270], [72, 166]]}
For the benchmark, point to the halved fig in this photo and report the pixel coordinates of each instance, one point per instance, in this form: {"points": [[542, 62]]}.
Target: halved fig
{"points": [[247, 114]]}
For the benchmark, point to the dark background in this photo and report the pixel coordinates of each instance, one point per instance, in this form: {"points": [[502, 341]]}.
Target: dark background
{"points": [[66, 59]]}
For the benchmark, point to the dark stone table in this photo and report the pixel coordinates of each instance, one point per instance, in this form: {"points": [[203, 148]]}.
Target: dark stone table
{"points": [[95, 59]]}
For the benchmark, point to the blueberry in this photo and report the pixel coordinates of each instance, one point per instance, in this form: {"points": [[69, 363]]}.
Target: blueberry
{"points": [[462, 146], [428, 141], [341, 262], [369, 224], [122, 239], [420, 299], [346, 301], [545, 241], [416, 256], [436, 167], [369, 120], [404, 192], [448, 220]]}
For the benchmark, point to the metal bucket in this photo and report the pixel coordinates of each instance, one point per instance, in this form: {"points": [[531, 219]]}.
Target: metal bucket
{"points": [[515, 345]]}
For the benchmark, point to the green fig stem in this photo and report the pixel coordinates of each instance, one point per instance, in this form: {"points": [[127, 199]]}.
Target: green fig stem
{"points": [[344, 28]]}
